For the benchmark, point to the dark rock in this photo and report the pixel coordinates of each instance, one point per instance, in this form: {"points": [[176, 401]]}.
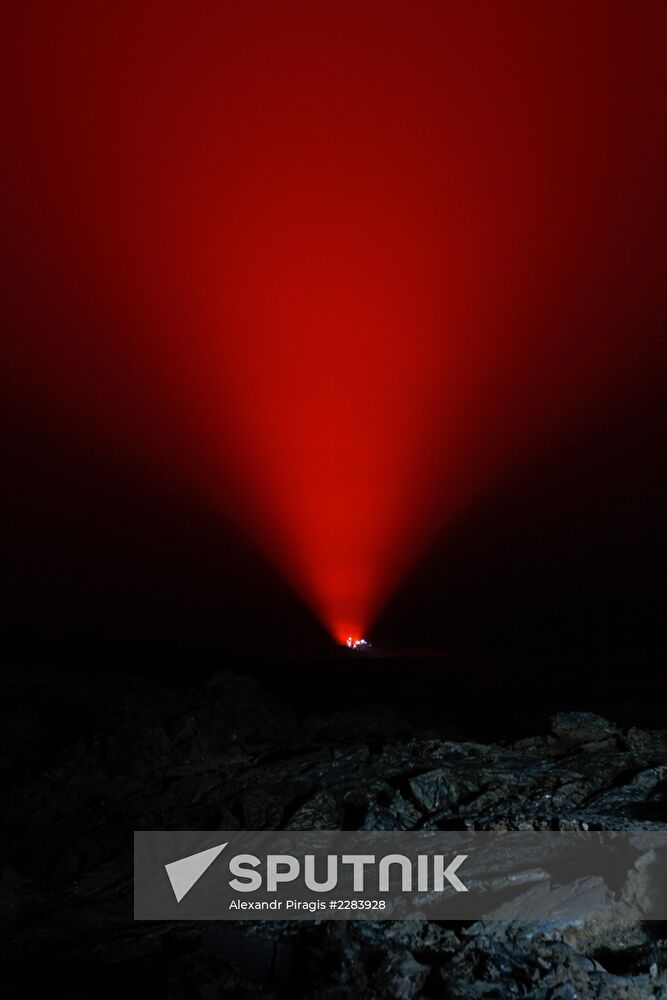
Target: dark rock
{"points": [[435, 790], [234, 757], [319, 813], [578, 728], [650, 742], [244, 711], [372, 721]]}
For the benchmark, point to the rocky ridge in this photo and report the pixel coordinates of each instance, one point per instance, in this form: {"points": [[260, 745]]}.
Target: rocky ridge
{"points": [[234, 757]]}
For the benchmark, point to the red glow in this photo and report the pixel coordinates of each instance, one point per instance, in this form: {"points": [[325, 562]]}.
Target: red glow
{"points": [[334, 265]]}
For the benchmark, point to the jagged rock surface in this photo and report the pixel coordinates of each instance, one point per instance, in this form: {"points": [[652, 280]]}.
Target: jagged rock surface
{"points": [[233, 757]]}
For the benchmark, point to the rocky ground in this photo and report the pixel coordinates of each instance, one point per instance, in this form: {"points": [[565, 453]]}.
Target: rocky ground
{"points": [[84, 768]]}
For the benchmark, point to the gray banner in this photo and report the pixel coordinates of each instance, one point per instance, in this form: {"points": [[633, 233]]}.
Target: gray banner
{"points": [[345, 875]]}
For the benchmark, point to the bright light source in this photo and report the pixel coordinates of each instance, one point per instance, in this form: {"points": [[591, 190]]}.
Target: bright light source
{"points": [[358, 644]]}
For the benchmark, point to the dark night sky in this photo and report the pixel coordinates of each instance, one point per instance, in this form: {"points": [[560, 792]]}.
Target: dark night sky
{"points": [[565, 554], [375, 297]]}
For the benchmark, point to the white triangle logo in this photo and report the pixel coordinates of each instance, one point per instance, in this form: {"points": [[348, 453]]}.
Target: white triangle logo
{"points": [[184, 873]]}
